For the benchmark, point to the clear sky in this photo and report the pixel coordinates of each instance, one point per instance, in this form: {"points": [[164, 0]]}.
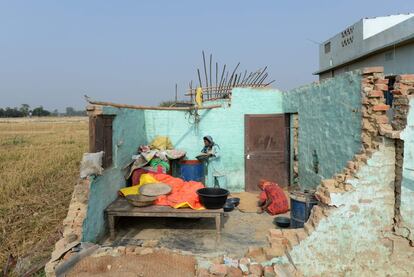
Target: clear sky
{"points": [[54, 52]]}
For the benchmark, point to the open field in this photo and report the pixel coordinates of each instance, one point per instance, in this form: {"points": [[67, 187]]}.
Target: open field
{"points": [[39, 165]]}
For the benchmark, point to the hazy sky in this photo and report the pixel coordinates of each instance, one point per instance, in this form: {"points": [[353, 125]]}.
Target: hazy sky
{"points": [[54, 52]]}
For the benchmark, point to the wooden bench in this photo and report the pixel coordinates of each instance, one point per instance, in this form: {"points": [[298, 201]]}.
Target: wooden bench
{"points": [[121, 207]]}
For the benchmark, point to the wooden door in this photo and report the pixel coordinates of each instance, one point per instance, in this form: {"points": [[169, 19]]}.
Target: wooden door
{"points": [[266, 150]]}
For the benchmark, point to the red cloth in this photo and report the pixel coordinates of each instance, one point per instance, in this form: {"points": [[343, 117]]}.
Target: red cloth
{"points": [[279, 202], [183, 193], [136, 175]]}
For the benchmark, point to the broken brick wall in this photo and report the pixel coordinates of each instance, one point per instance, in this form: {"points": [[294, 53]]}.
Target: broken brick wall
{"points": [[349, 230], [329, 126]]}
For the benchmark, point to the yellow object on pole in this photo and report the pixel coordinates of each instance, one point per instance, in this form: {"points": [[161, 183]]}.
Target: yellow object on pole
{"points": [[199, 97]]}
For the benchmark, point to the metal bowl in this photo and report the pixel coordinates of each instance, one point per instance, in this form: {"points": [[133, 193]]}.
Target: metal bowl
{"points": [[228, 207], [233, 200], [282, 221]]}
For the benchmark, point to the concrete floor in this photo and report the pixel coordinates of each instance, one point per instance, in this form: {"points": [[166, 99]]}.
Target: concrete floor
{"points": [[240, 230]]}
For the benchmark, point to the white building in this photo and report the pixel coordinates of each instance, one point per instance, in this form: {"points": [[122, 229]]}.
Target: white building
{"points": [[386, 41]]}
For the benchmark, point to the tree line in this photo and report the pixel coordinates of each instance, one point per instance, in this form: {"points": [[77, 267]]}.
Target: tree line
{"points": [[25, 111]]}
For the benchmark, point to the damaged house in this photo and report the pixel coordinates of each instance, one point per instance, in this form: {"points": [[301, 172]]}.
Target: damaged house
{"points": [[336, 138]]}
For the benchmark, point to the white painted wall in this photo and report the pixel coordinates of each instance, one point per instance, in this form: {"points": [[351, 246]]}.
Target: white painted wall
{"points": [[373, 26], [360, 46]]}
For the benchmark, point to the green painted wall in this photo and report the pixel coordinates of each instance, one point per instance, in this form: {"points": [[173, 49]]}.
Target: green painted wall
{"points": [[329, 123]]}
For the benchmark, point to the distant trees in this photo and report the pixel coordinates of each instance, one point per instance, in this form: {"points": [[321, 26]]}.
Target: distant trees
{"points": [[25, 111], [39, 111], [72, 112]]}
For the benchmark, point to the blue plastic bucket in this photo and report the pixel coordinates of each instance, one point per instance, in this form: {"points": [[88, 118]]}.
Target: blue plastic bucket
{"points": [[301, 204], [192, 170]]}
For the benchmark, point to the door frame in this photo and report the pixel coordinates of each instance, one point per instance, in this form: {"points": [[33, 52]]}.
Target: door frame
{"points": [[288, 138]]}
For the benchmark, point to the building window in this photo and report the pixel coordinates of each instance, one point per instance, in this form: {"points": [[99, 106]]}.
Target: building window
{"points": [[327, 47]]}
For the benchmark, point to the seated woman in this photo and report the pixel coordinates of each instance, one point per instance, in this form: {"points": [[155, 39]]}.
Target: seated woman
{"points": [[272, 198], [215, 173]]}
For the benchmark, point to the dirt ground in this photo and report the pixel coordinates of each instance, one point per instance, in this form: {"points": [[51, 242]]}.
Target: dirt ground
{"points": [[158, 264], [240, 230]]}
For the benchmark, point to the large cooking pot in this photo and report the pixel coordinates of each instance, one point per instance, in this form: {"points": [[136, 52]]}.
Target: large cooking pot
{"points": [[213, 198]]}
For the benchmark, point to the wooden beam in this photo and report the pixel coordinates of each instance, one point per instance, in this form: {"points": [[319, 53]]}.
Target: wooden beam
{"points": [[99, 103]]}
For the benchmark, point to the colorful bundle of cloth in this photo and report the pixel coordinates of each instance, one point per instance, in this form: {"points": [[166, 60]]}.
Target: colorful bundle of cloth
{"points": [[183, 194], [155, 157]]}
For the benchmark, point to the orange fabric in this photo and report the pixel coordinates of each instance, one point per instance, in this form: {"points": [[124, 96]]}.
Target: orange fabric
{"points": [[278, 201], [183, 194]]}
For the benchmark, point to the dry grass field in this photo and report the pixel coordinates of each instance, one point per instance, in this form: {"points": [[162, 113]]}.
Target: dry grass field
{"points": [[39, 165]]}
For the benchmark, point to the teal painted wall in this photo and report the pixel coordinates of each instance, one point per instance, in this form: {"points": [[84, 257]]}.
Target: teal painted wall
{"points": [[407, 185], [329, 123], [225, 125], [128, 134]]}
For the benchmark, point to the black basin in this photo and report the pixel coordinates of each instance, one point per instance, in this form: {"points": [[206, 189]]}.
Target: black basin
{"points": [[228, 207], [282, 221], [213, 198], [234, 200]]}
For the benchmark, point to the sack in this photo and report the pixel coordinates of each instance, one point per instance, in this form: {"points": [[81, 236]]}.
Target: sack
{"points": [[91, 164], [161, 143]]}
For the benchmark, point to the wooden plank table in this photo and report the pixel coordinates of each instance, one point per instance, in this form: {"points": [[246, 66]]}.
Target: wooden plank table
{"points": [[121, 207]]}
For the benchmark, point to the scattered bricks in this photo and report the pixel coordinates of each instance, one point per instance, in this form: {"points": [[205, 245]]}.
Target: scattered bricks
{"points": [[308, 227], [256, 254], [376, 93], [380, 107], [382, 87], [277, 233], [244, 265], [374, 69], [382, 81], [300, 234], [236, 272], [273, 252], [202, 272], [218, 270], [256, 269], [281, 271], [290, 235], [268, 272]]}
